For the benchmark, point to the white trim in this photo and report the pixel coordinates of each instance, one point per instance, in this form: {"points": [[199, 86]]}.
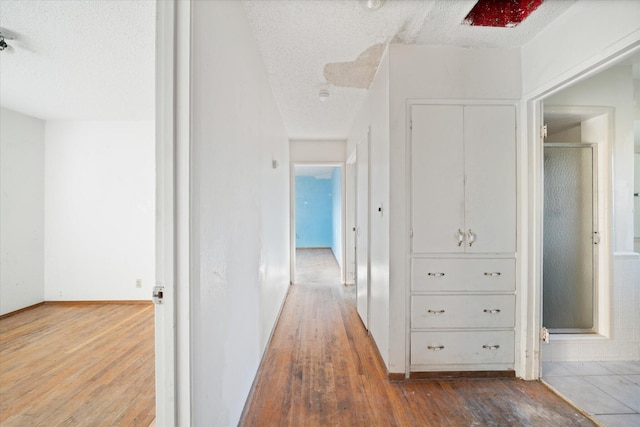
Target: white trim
{"points": [[532, 357], [173, 381]]}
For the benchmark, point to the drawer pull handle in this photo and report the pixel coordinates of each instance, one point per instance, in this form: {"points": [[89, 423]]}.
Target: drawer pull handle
{"points": [[435, 348], [491, 347], [493, 274], [492, 311], [435, 311], [435, 274]]}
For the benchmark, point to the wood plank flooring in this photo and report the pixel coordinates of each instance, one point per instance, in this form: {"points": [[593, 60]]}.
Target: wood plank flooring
{"points": [[78, 365], [321, 369]]}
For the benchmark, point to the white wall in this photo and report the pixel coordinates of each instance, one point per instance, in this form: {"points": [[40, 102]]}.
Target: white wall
{"points": [[317, 151], [578, 40], [240, 211], [21, 211], [99, 210], [374, 115]]}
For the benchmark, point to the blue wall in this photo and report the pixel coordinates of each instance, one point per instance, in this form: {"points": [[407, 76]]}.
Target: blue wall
{"points": [[336, 185], [314, 212]]}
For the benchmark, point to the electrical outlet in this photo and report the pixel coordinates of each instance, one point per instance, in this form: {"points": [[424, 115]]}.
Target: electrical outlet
{"points": [[138, 283]]}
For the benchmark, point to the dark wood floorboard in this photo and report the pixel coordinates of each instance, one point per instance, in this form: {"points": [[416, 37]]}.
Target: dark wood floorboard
{"points": [[321, 369], [78, 365]]}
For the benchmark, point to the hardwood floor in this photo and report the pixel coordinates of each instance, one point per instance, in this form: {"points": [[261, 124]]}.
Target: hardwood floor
{"points": [[78, 365], [321, 369]]}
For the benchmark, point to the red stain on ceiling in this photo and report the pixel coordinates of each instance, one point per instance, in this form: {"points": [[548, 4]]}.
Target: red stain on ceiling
{"points": [[500, 13]]}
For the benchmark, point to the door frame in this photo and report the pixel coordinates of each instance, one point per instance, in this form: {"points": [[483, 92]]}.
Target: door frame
{"points": [[529, 359], [173, 200], [350, 215], [600, 324], [365, 139]]}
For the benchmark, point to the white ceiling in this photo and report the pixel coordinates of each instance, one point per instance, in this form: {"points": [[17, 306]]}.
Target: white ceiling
{"points": [[80, 59], [308, 45]]}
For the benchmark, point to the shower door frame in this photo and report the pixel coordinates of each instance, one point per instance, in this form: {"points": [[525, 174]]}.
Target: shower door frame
{"points": [[595, 233]]}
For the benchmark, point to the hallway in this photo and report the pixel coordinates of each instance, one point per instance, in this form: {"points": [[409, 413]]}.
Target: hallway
{"points": [[322, 369]]}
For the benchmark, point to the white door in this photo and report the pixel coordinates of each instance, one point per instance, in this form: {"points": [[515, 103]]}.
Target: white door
{"points": [[362, 230], [351, 191], [437, 186], [490, 168]]}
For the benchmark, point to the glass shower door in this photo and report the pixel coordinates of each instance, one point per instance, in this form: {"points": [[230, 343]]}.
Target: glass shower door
{"points": [[569, 236]]}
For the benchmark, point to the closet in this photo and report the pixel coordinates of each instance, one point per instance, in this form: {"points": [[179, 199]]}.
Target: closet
{"points": [[463, 237]]}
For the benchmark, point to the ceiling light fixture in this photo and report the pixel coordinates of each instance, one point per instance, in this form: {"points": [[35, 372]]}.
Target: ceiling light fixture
{"points": [[375, 4], [323, 95]]}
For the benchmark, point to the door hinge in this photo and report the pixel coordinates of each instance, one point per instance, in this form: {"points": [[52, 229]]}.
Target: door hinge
{"points": [[544, 335], [411, 233], [596, 238], [544, 132], [158, 294]]}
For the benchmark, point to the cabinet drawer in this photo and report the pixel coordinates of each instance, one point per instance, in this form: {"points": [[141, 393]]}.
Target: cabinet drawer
{"points": [[459, 274], [462, 311], [464, 347]]}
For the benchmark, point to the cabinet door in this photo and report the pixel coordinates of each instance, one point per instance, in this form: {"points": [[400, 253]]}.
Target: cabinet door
{"points": [[437, 187], [490, 181]]}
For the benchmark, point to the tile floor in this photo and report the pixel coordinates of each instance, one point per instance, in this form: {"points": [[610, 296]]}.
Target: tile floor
{"points": [[608, 391]]}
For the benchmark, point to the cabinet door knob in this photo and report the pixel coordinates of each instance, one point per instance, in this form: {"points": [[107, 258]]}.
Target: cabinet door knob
{"points": [[435, 347], [492, 273], [471, 237], [460, 237], [491, 347], [435, 311], [491, 311], [435, 274]]}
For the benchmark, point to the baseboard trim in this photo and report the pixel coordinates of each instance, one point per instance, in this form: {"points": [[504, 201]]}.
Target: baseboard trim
{"points": [[12, 313], [447, 375], [100, 302], [252, 390], [383, 366]]}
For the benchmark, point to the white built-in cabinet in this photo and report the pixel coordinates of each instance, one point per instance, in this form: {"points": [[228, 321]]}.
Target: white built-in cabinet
{"points": [[463, 237]]}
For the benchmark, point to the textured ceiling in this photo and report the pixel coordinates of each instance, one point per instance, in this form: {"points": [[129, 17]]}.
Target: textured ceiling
{"points": [[310, 45], [79, 59]]}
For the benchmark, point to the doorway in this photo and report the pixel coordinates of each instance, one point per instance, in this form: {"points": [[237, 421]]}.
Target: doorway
{"points": [[576, 273], [318, 210]]}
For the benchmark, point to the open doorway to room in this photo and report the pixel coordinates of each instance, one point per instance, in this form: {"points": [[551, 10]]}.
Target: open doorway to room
{"points": [[590, 284], [578, 139], [318, 214]]}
